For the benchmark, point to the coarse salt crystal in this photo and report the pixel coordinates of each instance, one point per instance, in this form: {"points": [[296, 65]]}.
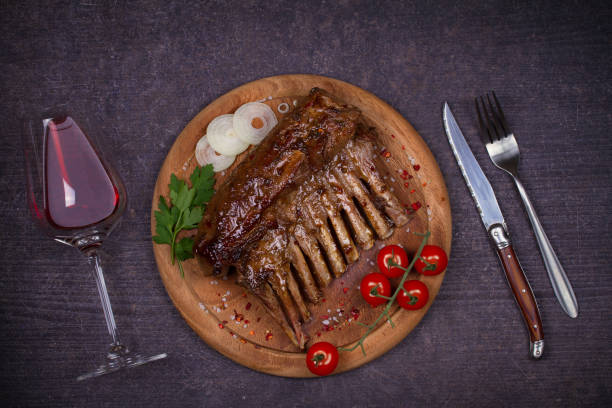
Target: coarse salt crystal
{"points": [[325, 322]]}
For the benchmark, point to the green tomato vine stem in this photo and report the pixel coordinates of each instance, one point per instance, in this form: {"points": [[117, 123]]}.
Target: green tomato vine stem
{"points": [[391, 300]]}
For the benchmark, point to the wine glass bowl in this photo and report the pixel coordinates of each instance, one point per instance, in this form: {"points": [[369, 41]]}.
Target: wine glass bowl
{"points": [[77, 198]]}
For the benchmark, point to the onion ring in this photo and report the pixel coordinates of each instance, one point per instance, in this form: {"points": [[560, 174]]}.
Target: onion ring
{"points": [[243, 122], [222, 137], [205, 154]]}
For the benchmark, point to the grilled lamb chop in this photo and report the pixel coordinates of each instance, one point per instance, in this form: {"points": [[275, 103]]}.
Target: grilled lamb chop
{"points": [[283, 218]]}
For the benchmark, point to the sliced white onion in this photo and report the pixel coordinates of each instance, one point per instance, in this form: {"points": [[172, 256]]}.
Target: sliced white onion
{"points": [[205, 154], [243, 122], [222, 137]]}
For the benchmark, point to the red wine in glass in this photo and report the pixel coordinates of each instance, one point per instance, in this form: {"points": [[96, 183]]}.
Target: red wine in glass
{"points": [[77, 199], [78, 189]]}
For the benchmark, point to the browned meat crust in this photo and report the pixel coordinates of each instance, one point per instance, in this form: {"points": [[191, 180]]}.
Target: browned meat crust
{"points": [[299, 145], [293, 217]]}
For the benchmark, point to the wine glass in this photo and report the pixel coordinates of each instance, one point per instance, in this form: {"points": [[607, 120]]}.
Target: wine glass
{"points": [[77, 199]]}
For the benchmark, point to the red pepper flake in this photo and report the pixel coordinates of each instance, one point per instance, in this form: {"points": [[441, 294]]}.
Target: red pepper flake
{"points": [[416, 167], [403, 148], [345, 290], [246, 322], [244, 294], [412, 191], [231, 333], [341, 304], [425, 184], [323, 300], [248, 306], [269, 336], [406, 184], [258, 319], [243, 341], [355, 313], [220, 325], [319, 334], [393, 136], [329, 328], [225, 322], [252, 332], [416, 205], [387, 155]]}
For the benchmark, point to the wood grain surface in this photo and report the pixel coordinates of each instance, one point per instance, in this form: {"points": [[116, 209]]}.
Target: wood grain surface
{"points": [[210, 304], [142, 70]]}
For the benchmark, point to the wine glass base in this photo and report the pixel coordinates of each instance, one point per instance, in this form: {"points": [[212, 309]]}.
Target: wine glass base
{"points": [[119, 358]]}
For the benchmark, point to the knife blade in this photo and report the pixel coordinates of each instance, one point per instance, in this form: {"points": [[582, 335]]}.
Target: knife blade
{"points": [[494, 223]]}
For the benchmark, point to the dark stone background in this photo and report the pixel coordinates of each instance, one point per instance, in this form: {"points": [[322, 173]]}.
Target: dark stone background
{"points": [[141, 71]]}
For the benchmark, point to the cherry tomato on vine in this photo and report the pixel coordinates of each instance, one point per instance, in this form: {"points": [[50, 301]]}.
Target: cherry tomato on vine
{"points": [[433, 260], [414, 296], [393, 253], [375, 283], [322, 358]]}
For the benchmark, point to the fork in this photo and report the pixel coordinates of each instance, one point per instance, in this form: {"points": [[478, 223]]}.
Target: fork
{"points": [[504, 153]]}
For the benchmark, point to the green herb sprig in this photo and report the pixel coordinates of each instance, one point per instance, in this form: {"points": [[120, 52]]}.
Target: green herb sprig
{"points": [[187, 205], [390, 300]]}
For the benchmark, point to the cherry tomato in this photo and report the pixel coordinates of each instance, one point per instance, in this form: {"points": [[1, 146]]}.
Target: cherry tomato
{"points": [[435, 260], [393, 253], [375, 282], [322, 358], [414, 296]]}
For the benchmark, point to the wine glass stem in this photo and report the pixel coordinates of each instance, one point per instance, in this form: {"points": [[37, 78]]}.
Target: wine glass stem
{"points": [[94, 259]]}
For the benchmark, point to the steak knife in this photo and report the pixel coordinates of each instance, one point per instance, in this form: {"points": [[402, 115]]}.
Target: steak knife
{"points": [[494, 223]]}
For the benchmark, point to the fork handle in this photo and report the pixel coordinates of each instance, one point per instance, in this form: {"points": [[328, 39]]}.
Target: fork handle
{"points": [[520, 289], [558, 279]]}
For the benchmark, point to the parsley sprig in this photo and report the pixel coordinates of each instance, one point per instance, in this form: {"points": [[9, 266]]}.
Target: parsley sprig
{"points": [[187, 205]]}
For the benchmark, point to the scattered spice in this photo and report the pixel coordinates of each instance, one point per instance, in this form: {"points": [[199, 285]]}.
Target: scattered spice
{"points": [[416, 205], [416, 167], [248, 306]]}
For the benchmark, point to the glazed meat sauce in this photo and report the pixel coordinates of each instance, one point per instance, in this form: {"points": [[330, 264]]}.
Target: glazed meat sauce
{"points": [[294, 216]]}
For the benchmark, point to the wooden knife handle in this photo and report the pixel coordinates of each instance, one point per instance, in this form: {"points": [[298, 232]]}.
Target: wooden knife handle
{"points": [[520, 289]]}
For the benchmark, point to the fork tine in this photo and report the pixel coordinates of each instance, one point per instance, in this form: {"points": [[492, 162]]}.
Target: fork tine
{"points": [[501, 133], [489, 121], [484, 133], [501, 115]]}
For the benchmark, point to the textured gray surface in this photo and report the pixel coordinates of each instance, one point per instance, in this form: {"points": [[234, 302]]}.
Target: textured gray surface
{"points": [[141, 71]]}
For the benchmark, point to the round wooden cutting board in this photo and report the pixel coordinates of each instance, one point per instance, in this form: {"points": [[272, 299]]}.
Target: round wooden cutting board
{"points": [[233, 321]]}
